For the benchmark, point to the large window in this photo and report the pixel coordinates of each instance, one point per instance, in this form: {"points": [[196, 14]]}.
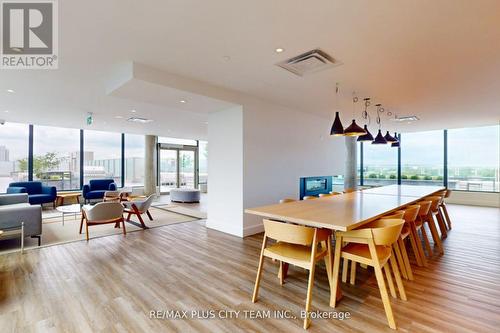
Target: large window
{"points": [[13, 154], [56, 157], [102, 157], [380, 164], [473, 159], [422, 158], [203, 162], [134, 160]]}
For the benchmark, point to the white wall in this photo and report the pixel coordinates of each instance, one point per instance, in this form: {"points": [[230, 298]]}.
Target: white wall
{"points": [[225, 167], [474, 198], [280, 146]]}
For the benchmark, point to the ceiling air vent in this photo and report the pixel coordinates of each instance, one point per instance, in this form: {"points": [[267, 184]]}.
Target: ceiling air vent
{"points": [[405, 118], [313, 61]]}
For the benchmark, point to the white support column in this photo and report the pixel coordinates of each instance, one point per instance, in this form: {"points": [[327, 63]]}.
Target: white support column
{"points": [[351, 163], [150, 165]]}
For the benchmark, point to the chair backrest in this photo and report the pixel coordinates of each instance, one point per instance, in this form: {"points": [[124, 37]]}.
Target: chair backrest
{"points": [[435, 202], [282, 201], [399, 214], [104, 211], [144, 204], [411, 213], [309, 197], [322, 195], [387, 231], [349, 190], [447, 194], [425, 206], [336, 193], [100, 184], [289, 233], [31, 187]]}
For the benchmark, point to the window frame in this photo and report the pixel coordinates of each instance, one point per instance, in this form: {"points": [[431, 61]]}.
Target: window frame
{"points": [[399, 166]]}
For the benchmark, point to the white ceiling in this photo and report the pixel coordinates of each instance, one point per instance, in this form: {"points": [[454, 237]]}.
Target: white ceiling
{"points": [[439, 60]]}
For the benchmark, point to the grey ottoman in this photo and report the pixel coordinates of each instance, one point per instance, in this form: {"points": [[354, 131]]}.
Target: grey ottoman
{"points": [[184, 195]]}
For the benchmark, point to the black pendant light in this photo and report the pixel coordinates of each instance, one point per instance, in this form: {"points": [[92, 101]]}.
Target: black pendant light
{"points": [[389, 138], [367, 137], [379, 139], [337, 128], [354, 129], [395, 144]]}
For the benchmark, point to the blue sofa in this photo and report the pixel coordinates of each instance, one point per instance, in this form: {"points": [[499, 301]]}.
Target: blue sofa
{"points": [[96, 188], [37, 193]]}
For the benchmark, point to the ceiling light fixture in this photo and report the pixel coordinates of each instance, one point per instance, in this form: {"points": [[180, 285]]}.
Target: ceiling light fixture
{"points": [[183, 101], [279, 50], [368, 137], [10, 91], [133, 111], [379, 139], [396, 144], [6, 111], [354, 129], [337, 128], [389, 138], [118, 117], [139, 120]]}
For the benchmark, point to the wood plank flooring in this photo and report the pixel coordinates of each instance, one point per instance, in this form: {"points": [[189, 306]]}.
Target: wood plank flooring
{"points": [[111, 284]]}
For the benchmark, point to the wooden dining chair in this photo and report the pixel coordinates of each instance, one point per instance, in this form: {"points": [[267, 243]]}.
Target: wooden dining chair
{"points": [[437, 215], [431, 222], [286, 200], [296, 245], [373, 247], [399, 214], [102, 213], [442, 206], [350, 190], [309, 197], [322, 195], [423, 212], [335, 193]]}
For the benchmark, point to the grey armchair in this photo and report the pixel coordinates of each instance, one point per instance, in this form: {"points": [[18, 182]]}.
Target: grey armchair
{"points": [[138, 207], [14, 209], [102, 213]]}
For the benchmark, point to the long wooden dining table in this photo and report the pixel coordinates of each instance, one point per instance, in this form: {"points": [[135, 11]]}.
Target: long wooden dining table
{"points": [[347, 211]]}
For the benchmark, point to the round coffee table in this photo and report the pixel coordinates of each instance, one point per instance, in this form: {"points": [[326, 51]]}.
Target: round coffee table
{"points": [[69, 209]]}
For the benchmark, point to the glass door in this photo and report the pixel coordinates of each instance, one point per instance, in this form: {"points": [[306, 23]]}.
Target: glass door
{"points": [[168, 169], [178, 167], [187, 168]]}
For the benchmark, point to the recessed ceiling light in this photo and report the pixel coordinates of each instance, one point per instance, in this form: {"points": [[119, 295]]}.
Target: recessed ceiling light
{"points": [[183, 101], [6, 111], [10, 91], [279, 50], [118, 117], [226, 58], [133, 111]]}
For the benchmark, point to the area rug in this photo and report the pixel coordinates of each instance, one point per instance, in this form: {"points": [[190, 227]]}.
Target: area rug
{"points": [[182, 210], [53, 232]]}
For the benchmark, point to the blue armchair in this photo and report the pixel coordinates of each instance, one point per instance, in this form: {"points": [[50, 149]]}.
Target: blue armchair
{"points": [[96, 188], [37, 193]]}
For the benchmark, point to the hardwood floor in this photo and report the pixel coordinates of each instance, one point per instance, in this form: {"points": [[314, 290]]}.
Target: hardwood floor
{"points": [[111, 284]]}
